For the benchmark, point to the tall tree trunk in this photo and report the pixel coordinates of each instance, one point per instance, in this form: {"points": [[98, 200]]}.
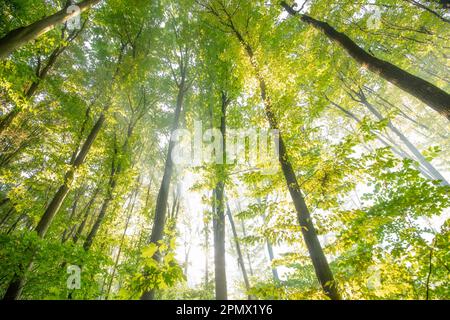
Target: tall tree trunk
{"points": [[104, 208], [219, 214], [20, 36], [239, 251], [41, 74], [423, 90], [122, 239], [63, 190], [15, 287], [276, 278], [116, 169], [320, 263], [106, 201], [6, 217], [421, 6], [206, 253], [73, 213], [163, 194], [87, 211], [424, 162], [384, 140], [249, 261]]}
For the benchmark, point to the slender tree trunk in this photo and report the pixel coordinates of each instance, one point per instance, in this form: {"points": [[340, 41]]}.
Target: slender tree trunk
{"points": [[101, 216], [6, 217], [238, 251], [428, 93], [122, 240], [320, 263], [276, 278], [116, 169], [63, 190], [18, 37], [249, 261], [206, 253], [15, 288], [14, 225], [73, 212], [219, 214], [219, 247], [163, 194], [421, 6], [87, 211], [424, 162], [395, 148]]}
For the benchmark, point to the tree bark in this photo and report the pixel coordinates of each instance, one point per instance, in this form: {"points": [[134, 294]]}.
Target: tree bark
{"points": [[421, 6], [206, 228], [163, 194], [16, 285], [219, 215], [87, 211], [122, 239], [384, 140], [41, 74], [275, 275], [276, 278], [417, 154], [249, 261], [423, 90], [20, 36], [63, 190], [320, 263]]}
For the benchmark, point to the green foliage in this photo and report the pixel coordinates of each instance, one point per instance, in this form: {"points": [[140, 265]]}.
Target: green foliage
{"points": [[380, 213], [160, 270]]}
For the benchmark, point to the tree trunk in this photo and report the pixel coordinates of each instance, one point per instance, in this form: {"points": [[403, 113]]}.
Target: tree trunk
{"points": [[20, 36], [219, 214], [276, 278], [320, 263], [87, 211], [238, 251], [206, 253], [73, 214], [115, 170], [424, 162], [101, 216], [421, 6], [122, 240], [63, 190], [16, 285], [395, 148], [163, 194], [428, 93], [249, 261]]}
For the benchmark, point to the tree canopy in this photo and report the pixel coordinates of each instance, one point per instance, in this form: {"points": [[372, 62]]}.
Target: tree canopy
{"points": [[224, 149]]}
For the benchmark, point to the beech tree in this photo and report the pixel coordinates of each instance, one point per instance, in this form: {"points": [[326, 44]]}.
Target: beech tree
{"points": [[212, 149]]}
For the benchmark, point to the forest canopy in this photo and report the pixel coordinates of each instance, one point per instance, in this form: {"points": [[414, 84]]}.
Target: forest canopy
{"points": [[224, 149]]}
